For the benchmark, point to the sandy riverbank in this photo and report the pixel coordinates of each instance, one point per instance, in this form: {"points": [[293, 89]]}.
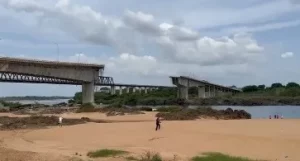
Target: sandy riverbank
{"points": [[257, 139]]}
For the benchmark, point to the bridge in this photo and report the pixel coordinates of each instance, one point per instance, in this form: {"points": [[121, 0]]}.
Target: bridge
{"points": [[17, 70], [205, 89]]}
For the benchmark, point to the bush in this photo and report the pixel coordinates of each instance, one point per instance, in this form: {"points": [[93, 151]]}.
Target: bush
{"points": [[87, 107], [106, 153], [219, 157], [192, 114], [169, 109], [150, 157], [146, 109]]}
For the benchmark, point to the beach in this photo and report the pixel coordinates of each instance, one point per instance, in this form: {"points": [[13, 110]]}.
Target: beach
{"points": [[256, 138]]}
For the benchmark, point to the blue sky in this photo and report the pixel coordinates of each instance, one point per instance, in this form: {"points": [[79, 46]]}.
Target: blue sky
{"points": [[144, 42]]}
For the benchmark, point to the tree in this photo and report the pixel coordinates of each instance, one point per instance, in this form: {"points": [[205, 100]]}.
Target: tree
{"points": [[292, 84], [276, 85], [251, 88], [261, 87]]}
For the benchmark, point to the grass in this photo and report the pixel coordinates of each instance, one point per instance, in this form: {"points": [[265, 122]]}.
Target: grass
{"points": [[219, 157], [106, 153], [146, 157]]}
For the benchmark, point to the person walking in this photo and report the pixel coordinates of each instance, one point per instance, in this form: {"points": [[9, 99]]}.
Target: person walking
{"points": [[157, 124], [60, 121]]}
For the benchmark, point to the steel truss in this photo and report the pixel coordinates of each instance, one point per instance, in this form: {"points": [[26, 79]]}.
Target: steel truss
{"points": [[24, 78]]}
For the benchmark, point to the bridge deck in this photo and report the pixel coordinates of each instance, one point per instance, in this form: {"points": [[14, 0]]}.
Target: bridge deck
{"points": [[102, 80], [52, 63], [206, 82]]}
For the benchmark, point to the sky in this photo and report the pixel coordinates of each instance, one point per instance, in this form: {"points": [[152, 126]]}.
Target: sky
{"points": [[228, 42]]}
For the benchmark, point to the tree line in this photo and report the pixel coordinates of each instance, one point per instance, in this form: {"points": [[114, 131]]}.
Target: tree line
{"points": [[254, 88]]}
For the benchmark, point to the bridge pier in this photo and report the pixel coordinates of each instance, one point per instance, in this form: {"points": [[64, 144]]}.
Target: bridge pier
{"points": [[146, 90], [183, 92], [127, 90], [133, 90], [112, 90], [120, 90], [201, 92], [88, 92]]}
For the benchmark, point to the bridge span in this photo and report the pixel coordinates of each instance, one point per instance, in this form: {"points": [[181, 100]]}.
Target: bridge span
{"points": [[18, 70], [205, 89]]}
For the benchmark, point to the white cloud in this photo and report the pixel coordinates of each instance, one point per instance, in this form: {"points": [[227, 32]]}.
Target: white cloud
{"points": [[176, 43], [287, 55], [206, 51], [141, 22], [264, 27]]}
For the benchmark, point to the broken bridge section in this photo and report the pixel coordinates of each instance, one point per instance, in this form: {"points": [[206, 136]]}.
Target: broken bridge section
{"points": [[37, 71], [205, 88]]}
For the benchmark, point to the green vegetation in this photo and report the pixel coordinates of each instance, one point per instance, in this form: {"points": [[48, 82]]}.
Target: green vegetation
{"points": [[219, 157], [106, 153], [177, 113], [87, 107], [155, 97], [291, 89], [10, 104], [150, 157]]}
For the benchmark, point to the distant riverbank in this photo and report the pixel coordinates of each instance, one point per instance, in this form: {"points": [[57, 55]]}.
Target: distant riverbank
{"points": [[257, 112], [33, 98], [44, 102]]}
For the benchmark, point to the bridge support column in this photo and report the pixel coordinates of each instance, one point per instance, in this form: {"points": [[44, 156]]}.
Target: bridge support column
{"points": [[127, 90], [201, 92], [120, 90], [183, 93], [133, 90], [146, 90], [140, 89], [112, 90], [88, 92]]}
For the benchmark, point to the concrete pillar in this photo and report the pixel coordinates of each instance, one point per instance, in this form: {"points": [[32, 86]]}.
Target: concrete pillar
{"points": [[127, 90], [88, 92], [209, 93], [146, 90], [140, 89], [120, 90], [113, 90], [201, 92], [150, 89], [214, 91], [133, 90], [183, 93]]}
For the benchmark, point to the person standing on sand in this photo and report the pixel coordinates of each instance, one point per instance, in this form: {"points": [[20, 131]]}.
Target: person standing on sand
{"points": [[60, 121], [157, 124]]}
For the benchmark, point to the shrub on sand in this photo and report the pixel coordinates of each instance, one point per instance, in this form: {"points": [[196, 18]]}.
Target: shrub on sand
{"points": [[192, 114], [169, 109], [106, 153], [87, 107], [146, 109], [219, 157], [150, 157]]}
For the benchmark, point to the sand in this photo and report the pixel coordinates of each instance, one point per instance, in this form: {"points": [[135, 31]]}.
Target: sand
{"points": [[256, 139]]}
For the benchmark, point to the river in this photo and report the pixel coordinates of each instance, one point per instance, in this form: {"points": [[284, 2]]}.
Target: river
{"points": [[291, 112]]}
